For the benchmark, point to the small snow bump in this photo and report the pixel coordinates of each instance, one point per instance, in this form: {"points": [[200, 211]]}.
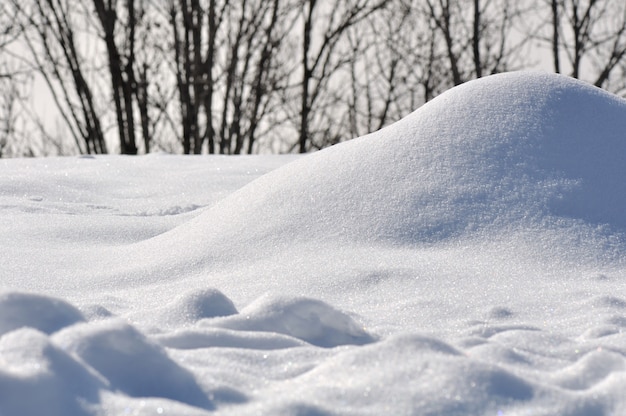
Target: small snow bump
{"points": [[44, 313], [197, 304], [310, 320], [39, 377], [130, 362]]}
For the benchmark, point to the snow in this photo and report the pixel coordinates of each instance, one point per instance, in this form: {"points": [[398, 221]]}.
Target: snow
{"points": [[469, 259]]}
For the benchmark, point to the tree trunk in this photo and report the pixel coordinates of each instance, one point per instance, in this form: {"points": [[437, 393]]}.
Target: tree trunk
{"points": [[142, 102], [476, 39], [307, 74], [122, 88], [128, 85], [555, 35], [208, 70]]}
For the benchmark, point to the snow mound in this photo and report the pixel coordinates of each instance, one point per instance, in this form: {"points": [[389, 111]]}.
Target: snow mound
{"points": [[37, 376], [310, 320], [505, 152], [197, 304], [130, 362], [40, 312]]}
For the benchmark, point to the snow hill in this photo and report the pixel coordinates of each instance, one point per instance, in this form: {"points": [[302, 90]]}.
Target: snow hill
{"points": [[468, 259], [497, 155], [504, 150]]}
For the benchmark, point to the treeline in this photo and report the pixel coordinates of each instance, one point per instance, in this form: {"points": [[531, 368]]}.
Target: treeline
{"points": [[248, 76]]}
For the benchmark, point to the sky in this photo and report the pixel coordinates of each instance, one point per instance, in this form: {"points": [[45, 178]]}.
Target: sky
{"points": [[467, 259]]}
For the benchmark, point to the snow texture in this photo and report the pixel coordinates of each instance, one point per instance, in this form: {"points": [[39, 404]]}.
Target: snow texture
{"points": [[468, 259]]}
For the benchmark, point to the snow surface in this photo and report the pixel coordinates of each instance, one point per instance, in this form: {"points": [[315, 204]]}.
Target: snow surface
{"points": [[469, 259]]}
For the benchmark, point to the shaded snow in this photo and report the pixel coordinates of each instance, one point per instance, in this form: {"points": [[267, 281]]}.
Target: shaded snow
{"points": [[465, 260]]}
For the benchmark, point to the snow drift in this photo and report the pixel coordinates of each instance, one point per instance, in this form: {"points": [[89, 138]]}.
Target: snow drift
{"points": [[498, 155]]}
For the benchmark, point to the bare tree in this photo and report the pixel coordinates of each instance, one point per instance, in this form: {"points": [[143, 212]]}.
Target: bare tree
{"points": [[477, 35], [8, 116], [254, 74], [590, 35], [225, 62], [121, 67], [324, 27], [388, 58], [446, 15], [228, 77], [556, 49], [50, 35], [9, 29], [155, 87], [268, 78], [8, 33], [195, 32], [413, 50]]}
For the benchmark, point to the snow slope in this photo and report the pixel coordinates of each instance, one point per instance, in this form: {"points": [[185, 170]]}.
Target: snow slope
{"points": [[465, 260]]}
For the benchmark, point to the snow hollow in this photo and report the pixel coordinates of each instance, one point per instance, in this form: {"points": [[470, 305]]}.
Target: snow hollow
{"points": [[468, 259]]}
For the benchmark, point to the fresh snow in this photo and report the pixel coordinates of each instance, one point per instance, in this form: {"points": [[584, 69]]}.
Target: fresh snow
{"points": [[468, 259]]}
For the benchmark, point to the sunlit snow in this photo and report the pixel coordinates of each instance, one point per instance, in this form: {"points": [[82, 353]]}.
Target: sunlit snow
{"points": [[469, 259]]}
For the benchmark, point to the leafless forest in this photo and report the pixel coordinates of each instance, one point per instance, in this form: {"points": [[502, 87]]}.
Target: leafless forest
{"points": [[258, 76]]}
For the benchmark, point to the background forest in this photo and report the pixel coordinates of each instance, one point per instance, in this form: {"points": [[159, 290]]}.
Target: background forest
{"points": [[260, 76]]}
